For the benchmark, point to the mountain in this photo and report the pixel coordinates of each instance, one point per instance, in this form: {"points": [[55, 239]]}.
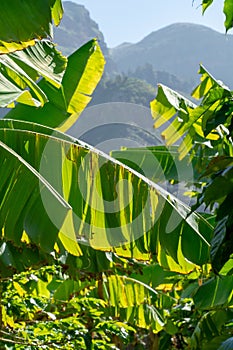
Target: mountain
{"points": [[153, 77], [76, 28], [179, 49], [174, 52]]}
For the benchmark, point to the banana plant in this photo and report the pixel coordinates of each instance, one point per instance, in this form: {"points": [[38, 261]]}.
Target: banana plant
{"points": [[148, 219], [205, 130], [119, 243], [81, 196], [55, 196]]}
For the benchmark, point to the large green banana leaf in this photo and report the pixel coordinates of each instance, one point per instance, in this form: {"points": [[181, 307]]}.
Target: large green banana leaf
{"points": [[77, 83], [188, 123], [205, 130], [57, 190], [20, 70], [135, 302], [28, 21]]}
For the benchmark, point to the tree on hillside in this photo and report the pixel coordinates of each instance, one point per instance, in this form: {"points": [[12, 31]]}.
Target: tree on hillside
{"points": [[153, 77], [124, 89]]}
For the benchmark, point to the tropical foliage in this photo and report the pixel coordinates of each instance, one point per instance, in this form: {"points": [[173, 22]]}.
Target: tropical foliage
{"points": [[99, 251]]}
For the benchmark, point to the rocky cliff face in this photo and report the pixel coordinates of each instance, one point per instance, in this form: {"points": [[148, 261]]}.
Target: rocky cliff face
{"points": [[76, 28]]}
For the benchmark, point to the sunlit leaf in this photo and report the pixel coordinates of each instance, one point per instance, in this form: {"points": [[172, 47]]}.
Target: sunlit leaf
{"points": [[206, 4], [65, 104], [85, 214], [20, 71], [228, 11]]}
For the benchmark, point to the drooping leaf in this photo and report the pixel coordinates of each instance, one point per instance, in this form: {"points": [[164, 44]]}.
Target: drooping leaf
{"points": [[206, 4], [128, 296], [228, 11], [160, 163], [104, 215], [21, 204]]}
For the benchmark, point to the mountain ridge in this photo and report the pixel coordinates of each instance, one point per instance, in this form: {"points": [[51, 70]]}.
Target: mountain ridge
{"points": [[179, 49], [164, 28]]}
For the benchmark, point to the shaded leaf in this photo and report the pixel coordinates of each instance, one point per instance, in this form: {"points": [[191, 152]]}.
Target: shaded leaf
{"points": [[30, 20], [213, 293], [209, 328]]}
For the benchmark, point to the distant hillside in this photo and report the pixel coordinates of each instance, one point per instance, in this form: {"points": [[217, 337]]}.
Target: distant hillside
{"points": [[124, 89], [153, 77], [179, 49], [111, 125], [77, 28]]}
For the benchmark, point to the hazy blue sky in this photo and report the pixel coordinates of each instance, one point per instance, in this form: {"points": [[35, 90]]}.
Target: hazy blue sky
{"points": [[131, 20]]}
